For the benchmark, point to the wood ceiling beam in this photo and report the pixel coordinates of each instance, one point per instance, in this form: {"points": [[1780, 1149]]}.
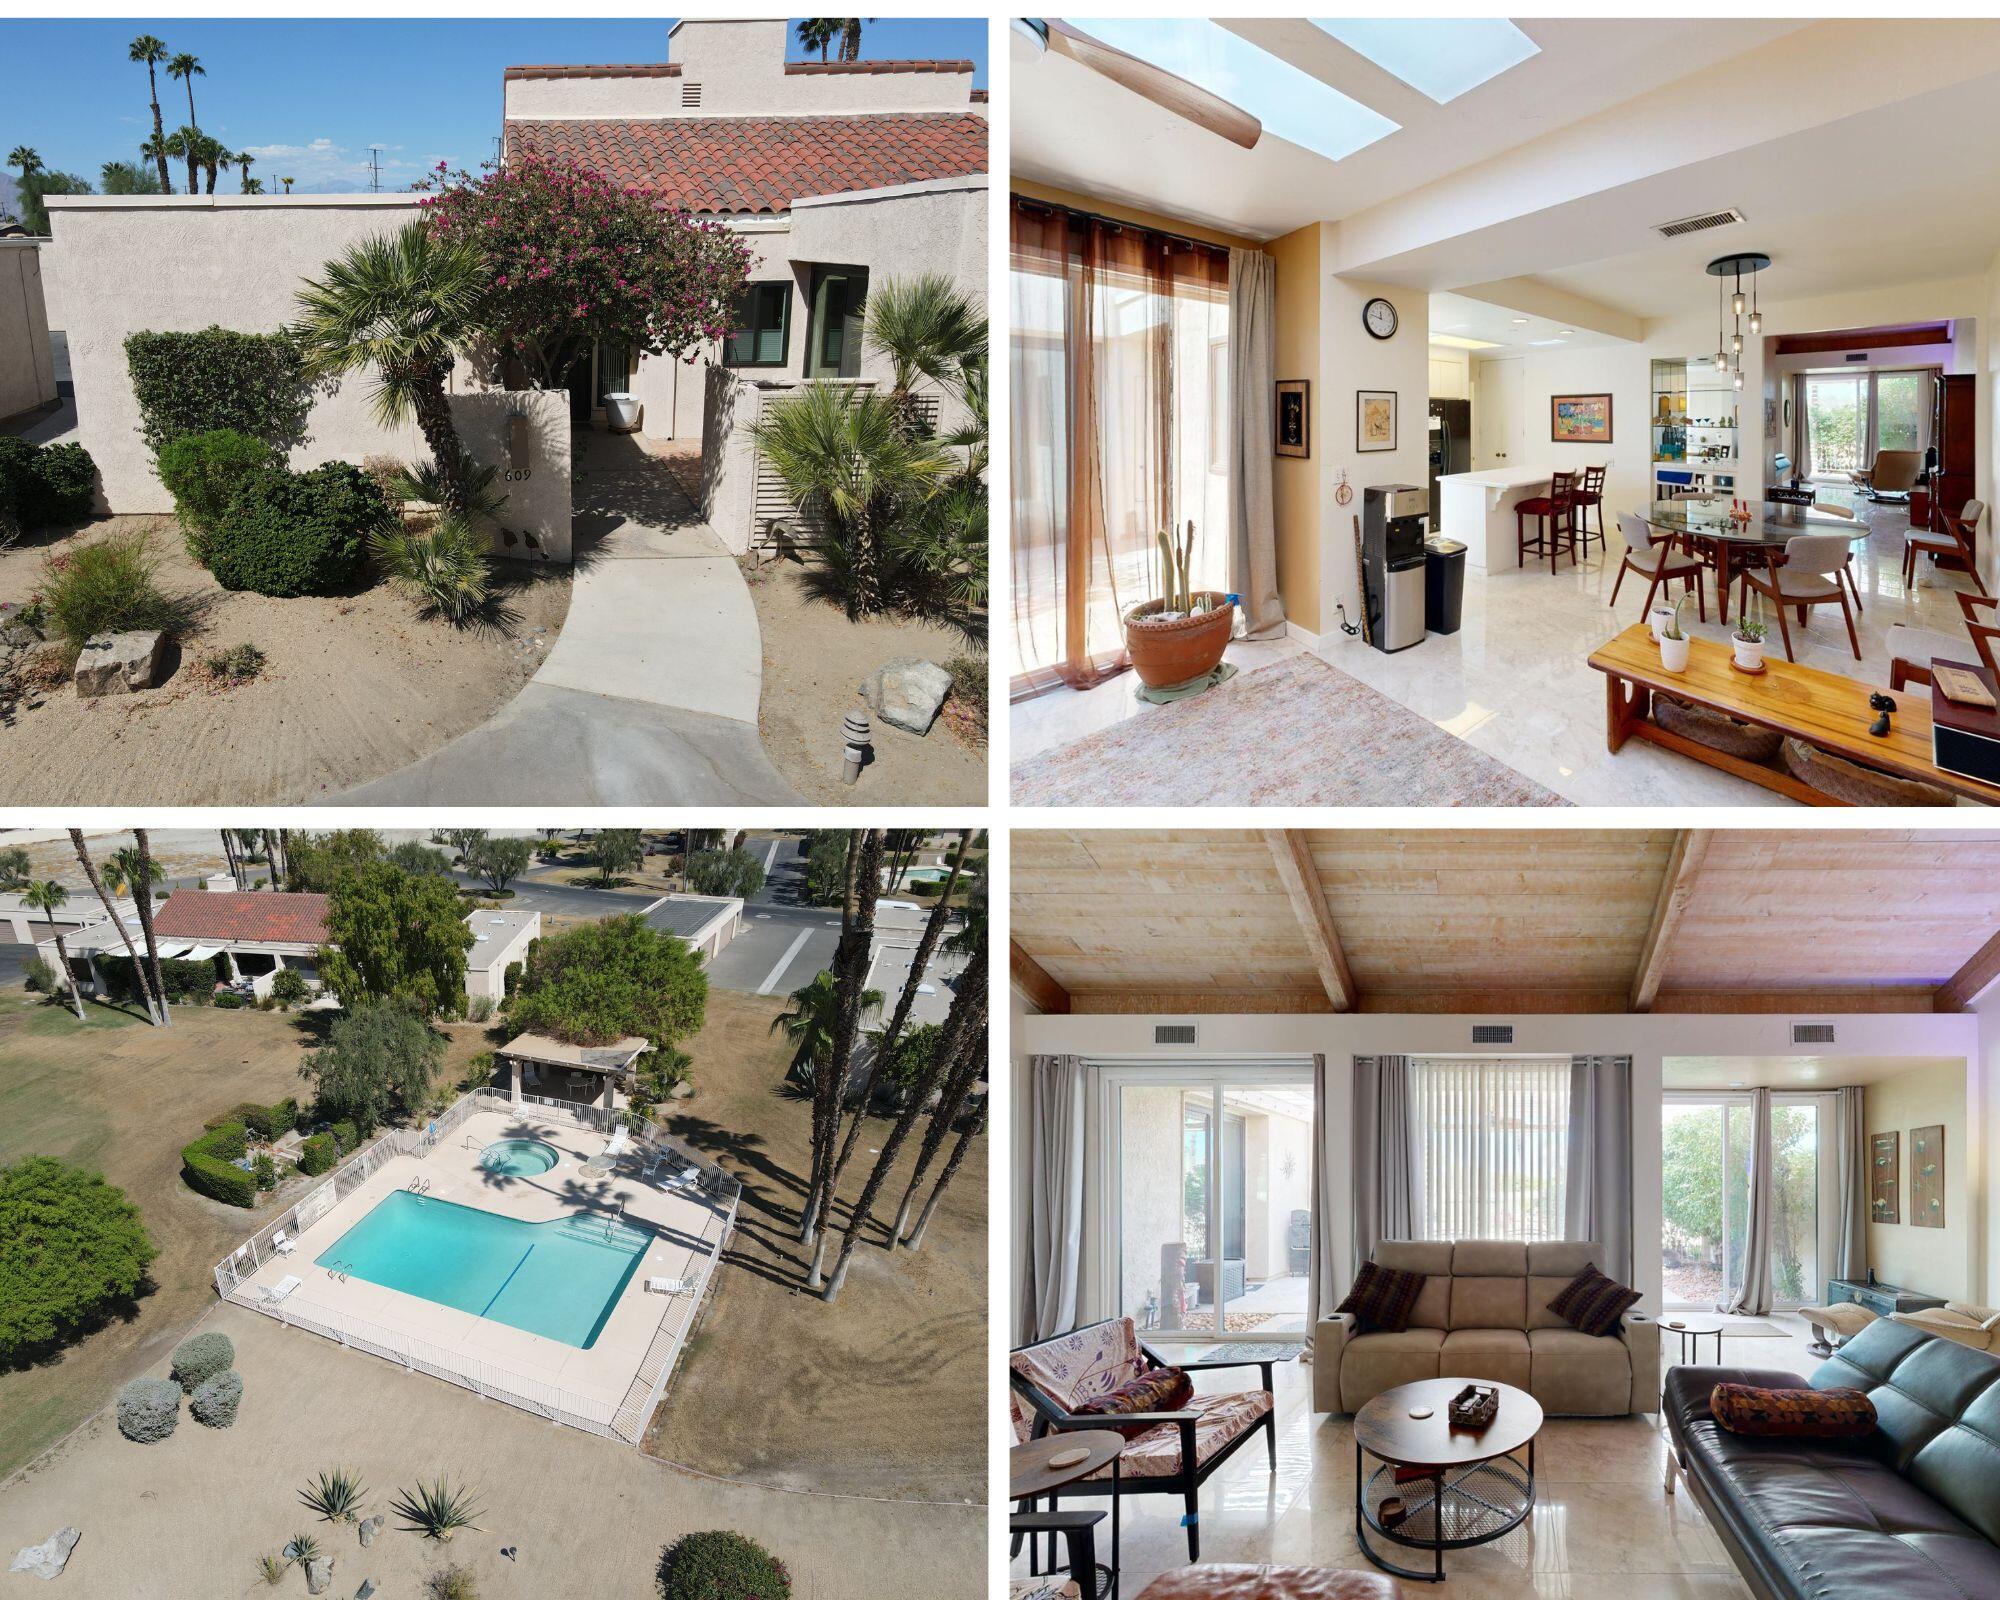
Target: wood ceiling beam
{"points": [[1047, 996], [1292, 852], [1965, 985], [1676, 889]]}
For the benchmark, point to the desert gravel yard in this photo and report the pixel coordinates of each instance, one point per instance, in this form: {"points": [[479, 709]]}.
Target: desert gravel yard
{"points": [[353, 686]]}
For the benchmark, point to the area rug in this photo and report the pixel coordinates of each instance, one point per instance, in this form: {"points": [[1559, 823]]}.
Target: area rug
{"points": [[1255, 1352], [1300, 733]]}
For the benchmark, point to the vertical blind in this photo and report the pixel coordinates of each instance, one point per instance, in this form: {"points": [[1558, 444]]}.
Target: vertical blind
{"points": [[1491, 1146]]}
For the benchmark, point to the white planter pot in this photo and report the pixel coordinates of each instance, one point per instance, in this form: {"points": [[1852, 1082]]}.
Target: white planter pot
{"points": [[1656, 618], [1749, 653], [1674, 653], [621, 412]]}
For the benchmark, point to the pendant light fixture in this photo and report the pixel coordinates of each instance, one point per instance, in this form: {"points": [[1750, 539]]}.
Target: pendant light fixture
{"points": [[1729, 339]]}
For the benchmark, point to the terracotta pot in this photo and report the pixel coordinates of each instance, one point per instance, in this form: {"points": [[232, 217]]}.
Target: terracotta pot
{"points": [[1171, 652]]}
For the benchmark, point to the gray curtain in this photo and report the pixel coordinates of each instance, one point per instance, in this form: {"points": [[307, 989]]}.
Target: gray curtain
{"points": [[1253, 527], [1597, 1185], [1754, 1298], [1322, 1290], [1055, 1196], [1850, 1143], [1387, 1185]]}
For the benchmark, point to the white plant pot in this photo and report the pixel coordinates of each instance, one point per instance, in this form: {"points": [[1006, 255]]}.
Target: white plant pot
{"points": [[1749, 653], [1656, 618], [1674, 653], [621, 413]]}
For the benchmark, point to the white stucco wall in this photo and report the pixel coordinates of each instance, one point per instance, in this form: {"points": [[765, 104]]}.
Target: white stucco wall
{"points": [[534, 522], [27, 368]]}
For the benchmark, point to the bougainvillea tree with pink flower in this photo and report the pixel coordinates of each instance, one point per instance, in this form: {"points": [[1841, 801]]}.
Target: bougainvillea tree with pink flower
{"points": [[576, 257]]}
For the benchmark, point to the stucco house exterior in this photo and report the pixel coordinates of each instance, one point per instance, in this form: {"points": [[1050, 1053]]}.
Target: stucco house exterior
{"points": [[27, 361], [500, 941], [250, 937]]}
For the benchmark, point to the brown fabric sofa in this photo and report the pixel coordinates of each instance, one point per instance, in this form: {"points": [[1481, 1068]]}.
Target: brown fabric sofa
{"points": [[1483, 1313]]}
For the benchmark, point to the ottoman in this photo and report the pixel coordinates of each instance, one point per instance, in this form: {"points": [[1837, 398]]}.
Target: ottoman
{"points": [[1835, 1325], [1226, 1582]]}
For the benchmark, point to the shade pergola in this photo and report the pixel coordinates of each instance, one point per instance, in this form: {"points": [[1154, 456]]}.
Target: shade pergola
{"points": [[610, 1062]]}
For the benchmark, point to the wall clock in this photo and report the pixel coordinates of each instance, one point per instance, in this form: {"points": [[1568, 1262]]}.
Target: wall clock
{"points": [[1379, 318]]}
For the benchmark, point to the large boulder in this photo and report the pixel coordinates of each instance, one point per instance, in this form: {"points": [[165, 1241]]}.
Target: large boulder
{"points": [[907, 692], [47, 1559], [118, 663], [319, 1573]]}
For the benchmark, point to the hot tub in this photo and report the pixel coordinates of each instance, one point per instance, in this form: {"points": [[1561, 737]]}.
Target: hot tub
{"points": [[518, 1158]]}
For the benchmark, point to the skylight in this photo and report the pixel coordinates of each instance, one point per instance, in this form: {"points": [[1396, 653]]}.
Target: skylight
{"points": [[1290, 103], [1441, 57]]}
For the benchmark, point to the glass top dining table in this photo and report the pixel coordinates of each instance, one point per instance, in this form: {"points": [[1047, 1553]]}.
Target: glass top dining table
{"points": [[1771, 522]]}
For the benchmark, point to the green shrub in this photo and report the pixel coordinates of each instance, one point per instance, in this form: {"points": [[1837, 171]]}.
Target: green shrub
{"points": [[442, 568], [228, 1000], [187, 982], [71, 1247], [41, 977], [214, 1403], [288, 988], [294, 533], [479, 1008], [265, 1171], [252, 383], [719, 1565], [208, 1166], [43, 485], [267, 1122], [238, 664], [200, 1357], [149, 1409], [347, 1136], [317, 1155], [203, 471], [108, 587], [452, 1583]]}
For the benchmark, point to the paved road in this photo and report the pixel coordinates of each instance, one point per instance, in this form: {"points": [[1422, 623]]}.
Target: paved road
{"points": [[557, 899]]}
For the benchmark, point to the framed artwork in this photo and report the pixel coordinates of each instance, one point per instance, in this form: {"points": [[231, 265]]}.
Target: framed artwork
{"points": [[1884, 1176], [1295, 417], [1927, 1176], [1580, 418], [1375, 419]]}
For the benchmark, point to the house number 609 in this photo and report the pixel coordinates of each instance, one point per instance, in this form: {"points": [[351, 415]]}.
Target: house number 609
{"points": [[520, 475]]}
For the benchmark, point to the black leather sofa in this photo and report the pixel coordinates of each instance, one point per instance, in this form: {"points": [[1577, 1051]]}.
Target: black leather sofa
{"points": [[1911, 1513]]}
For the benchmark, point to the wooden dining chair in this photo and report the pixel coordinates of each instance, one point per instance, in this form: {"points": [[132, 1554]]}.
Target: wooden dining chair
{"points": [[1657, 558], [1955, 537], [1913, 651], [1835, 509], [1555, 517], [1808, 576], [1590, 493]]}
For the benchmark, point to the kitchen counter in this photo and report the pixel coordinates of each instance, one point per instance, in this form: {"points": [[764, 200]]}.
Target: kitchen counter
{"points": [[1477, 509]]}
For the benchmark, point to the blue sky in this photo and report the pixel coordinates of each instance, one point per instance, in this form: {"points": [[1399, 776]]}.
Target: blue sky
{"points": [[311, 97]]}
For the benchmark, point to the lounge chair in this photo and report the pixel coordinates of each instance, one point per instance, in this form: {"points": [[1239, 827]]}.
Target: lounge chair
{"points": [[282, 1243], [281, 1289], [667, 1286], [621, 1140]]}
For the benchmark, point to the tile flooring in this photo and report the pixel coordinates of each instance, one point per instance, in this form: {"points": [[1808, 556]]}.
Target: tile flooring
{"points": [[1513, 680], [1603, 1525]]}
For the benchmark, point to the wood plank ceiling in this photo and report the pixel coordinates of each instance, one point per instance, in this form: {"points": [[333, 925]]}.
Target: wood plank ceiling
{"points": [[1504, 920]]}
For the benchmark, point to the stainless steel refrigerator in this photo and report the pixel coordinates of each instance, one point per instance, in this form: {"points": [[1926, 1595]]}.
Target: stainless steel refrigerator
{"points": [[1451, 444]]}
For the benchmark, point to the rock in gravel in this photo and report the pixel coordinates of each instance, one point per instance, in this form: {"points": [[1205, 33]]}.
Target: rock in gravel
{"points": [[117, 663], [367, 1588], [47, 1559], [369, 1528], [907, 692], [15, 629], [319, 1573]]}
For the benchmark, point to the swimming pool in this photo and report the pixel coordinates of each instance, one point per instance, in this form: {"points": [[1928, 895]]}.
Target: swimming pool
{"points": [[518, 1158], [558, 1279]]}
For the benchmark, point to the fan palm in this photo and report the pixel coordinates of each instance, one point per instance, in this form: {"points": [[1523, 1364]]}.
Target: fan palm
{"points": [[27, 159], [48, 897], [123, 870], [184, 144], [850, 38], [927, 327], [215, 156], [817, 33], [406, 305], [244, 161], [809, 1016], [187, 68], [150, 52]]}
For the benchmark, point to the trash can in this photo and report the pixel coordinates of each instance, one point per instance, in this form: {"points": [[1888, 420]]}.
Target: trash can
{"points": [[1444, 585]]}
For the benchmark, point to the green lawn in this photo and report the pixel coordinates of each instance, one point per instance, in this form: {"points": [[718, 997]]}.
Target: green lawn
{"points": [[40, 1112]]}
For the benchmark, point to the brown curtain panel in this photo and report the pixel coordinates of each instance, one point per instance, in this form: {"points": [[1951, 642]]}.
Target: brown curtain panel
{"points": [[1114, 365]]}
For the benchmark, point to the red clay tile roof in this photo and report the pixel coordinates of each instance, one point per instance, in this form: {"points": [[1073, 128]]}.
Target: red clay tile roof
{"points": [[256, 916], [762, 164], [814, 68], [627, 69]]}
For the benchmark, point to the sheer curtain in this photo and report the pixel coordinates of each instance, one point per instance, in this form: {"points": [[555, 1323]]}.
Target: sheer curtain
{"points": [[1119, 429], [1492, 1142]]}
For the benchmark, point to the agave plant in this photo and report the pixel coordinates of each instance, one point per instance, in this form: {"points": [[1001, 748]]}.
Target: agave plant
{"points": [[337, 1495], [437, 1510], [443, 568], [302, 1548]]}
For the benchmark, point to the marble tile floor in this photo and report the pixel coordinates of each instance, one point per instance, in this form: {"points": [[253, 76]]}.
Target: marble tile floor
{"points": [[1514, 681], [1603, 1524]]}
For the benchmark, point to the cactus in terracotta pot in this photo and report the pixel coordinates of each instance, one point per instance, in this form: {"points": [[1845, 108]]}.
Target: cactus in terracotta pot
{"points": [[1176, 560]]}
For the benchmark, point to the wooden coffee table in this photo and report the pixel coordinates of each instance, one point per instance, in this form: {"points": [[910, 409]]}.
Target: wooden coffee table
{"points": [[1476, 1491], [1032, 1473], [1822, 709]]}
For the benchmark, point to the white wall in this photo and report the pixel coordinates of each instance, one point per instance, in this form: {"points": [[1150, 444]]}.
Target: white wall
{"points": [[27, 365], [1939, 1261], [1622, 372]]}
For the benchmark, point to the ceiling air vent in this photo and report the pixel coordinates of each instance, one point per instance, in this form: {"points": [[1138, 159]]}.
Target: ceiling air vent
{"points": [[1493, 1033], [1855, 355], [1812, 1033], [1173, 1033], [690, 95], [1700, 224]]}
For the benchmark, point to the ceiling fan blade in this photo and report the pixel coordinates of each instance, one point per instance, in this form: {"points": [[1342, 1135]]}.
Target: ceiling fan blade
{"points": [[1153, 83]]}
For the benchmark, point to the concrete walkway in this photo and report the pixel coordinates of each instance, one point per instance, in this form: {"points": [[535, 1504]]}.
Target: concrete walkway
{"points": [[650, 694]]}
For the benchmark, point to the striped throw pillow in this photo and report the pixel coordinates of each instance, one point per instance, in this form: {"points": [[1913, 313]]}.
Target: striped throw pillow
{"points": [[1592, 1303], [1793, 1413], [1382, 1298]]}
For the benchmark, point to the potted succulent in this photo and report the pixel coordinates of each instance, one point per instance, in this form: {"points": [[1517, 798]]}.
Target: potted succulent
{"points": [[1674, 641], [1180, 636], [1748, 643]]}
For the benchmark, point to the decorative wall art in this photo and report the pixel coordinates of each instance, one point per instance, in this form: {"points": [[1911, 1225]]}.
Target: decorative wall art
{"points": [[1295, 417], [1884, 1176], [1927, 1176], [1375, 419], [1580, 418]]}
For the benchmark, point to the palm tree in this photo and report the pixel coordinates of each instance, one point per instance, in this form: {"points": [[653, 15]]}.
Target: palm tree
{"points": [[850, 38], [187, 68], [154, 148], [111, 911], [122, 869], [215, 156], [255, 186], [144, 875], [47, 897], [848, 457], [30, 162], [927, 327], [287, 182], [817, 33], [810, 1016], [407, 305], [152, 52], [184, 144], [244, 161], [970, 1132]]}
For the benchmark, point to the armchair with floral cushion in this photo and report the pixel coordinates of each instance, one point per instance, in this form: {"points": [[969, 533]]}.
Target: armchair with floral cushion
{"points": [[1071, 1381]]}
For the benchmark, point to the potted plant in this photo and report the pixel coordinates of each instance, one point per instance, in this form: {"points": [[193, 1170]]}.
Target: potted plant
{"points": [[1748, 643], [1674, 641], [1180, 636]]}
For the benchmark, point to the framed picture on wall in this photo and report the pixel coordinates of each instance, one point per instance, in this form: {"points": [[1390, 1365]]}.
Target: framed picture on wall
{"points": [[1884, 1177], [1927, 1176], [1580, 418], [1375, 419], [1295, 417]]}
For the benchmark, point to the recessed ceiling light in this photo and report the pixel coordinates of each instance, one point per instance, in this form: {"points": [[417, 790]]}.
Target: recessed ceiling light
{"points": [[1564, 333], [1520, 322], [1452, 341], [1437, 56]]}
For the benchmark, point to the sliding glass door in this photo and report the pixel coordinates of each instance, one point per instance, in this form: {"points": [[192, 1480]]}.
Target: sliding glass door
{"points": [[1851, 417], [1705, 1197], [1210, 1179]]}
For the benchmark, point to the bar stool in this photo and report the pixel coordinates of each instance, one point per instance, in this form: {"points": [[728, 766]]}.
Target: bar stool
{"points": [[1555, 514], [1590, 494]]}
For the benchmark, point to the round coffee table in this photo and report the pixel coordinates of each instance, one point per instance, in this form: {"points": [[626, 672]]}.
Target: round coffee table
{"points": [[1032, 1473], [1472, 1490], [1692, 1330]]}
